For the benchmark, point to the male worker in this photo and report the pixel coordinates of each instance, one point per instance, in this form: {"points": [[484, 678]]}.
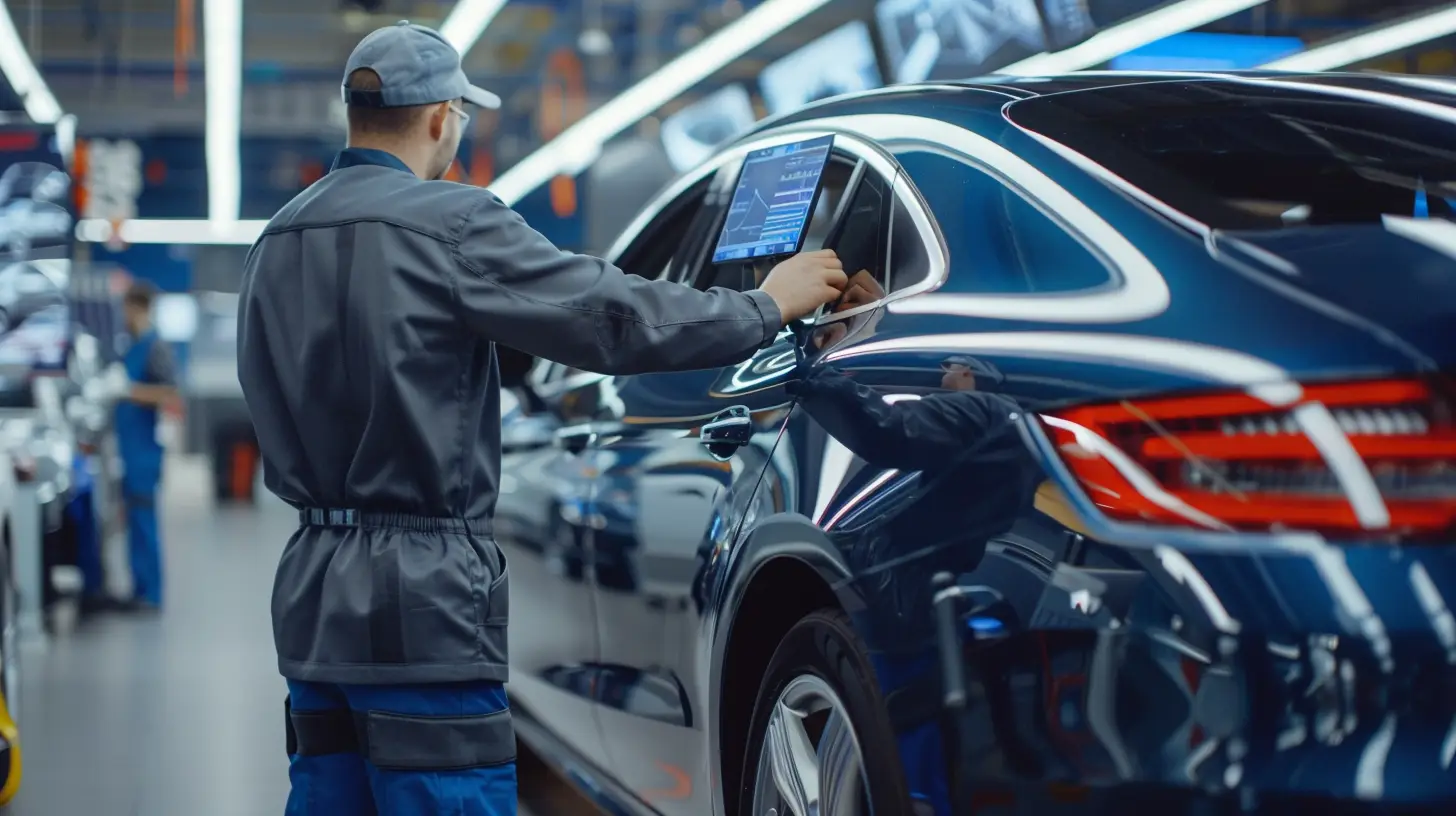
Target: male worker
{"points": [[149, 384], [369, 312]]}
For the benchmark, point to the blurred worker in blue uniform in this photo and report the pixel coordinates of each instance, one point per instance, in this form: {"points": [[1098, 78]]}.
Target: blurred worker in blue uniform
{"points": [[149, 383]]}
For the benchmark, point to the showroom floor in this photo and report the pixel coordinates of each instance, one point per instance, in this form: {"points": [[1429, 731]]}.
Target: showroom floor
{"points": [[180, 714]]}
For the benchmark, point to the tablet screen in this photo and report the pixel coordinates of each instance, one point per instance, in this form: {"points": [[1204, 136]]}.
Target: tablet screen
{"points": [[773, 201]]}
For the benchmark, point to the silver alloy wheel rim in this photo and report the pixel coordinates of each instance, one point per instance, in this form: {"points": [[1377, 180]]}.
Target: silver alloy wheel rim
{"points": [[800, 776]]}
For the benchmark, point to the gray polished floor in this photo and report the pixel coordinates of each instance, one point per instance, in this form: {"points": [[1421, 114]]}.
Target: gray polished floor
{"points": [[179, 714]]}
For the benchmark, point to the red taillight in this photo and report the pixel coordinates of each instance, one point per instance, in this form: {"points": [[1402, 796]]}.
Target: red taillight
{"points": [[1373, 456]]}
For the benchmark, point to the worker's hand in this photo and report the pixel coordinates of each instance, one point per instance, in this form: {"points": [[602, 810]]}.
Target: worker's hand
{"points": [[115, 385], [828, 336], [861, 290], [805, 282]]}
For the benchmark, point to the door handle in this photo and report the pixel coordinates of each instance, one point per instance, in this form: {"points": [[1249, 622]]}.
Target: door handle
{"points": [[727, 432]]}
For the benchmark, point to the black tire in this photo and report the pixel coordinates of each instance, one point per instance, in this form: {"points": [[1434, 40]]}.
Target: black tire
{"points": [[825, 645]]}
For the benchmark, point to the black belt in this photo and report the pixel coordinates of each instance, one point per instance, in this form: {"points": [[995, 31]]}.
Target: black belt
{"points": [[339, 517], [403, 742]]}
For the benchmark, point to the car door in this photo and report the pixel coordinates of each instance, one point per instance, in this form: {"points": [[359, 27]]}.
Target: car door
{"points": [[543, 524], [673, 478], [905, 451]]}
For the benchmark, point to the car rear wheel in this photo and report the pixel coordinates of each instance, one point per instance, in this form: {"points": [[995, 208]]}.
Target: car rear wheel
{"points": [[818, 707]]}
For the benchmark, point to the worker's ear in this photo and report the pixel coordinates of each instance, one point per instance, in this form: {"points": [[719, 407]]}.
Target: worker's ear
{"points": [[438, 115]]}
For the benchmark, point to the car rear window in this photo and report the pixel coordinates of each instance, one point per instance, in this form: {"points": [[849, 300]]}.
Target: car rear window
{"points": [[1005, 242], [1251, 155]]}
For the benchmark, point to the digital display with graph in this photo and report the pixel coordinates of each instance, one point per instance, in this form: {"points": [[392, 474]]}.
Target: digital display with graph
{"points": [[773, 201]]}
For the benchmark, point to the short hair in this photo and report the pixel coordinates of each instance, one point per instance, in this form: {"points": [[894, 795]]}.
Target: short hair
{"points": [[140, 294], [378, 121]]}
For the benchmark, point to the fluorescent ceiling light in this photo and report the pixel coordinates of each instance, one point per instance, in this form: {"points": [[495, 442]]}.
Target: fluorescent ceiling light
{"points": [[467, 21], [24, 78], [1372, 43], [222, 32], [1164, 21], [579, 144], [182, 231]]}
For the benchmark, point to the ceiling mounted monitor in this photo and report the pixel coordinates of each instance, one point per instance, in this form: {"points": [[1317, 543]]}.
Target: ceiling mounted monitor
{"points": [[840, 62], [956, 39], [690, 135], [1066, 22]]}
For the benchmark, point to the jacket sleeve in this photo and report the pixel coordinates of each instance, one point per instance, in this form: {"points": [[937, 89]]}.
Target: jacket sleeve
{"points": [[516, 287], [929, 434]]}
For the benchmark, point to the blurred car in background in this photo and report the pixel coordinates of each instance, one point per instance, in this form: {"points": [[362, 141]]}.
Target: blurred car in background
{"points": [[38, 431], [217, 420], [33, 208], [1124, 483], [32, 449]]}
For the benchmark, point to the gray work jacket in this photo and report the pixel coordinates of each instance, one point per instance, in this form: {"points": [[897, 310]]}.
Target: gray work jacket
{"points": [[369, 312]]}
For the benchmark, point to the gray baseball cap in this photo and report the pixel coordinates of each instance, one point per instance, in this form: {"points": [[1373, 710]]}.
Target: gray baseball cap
{"points": [[416, 66]]}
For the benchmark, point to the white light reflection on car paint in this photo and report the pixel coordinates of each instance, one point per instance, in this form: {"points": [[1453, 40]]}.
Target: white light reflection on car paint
{"points": [[1260, 378], [1142, 292]]}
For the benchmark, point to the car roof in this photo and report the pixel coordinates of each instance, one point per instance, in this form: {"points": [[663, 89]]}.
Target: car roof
{"points": [[991, 92]]}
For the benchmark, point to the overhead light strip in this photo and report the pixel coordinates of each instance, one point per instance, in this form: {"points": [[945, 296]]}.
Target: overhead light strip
{"points": [[1114, 41], [467, 21], [1372, 43], [181, 231], [222, 31], [24, 78], [579, 144]]}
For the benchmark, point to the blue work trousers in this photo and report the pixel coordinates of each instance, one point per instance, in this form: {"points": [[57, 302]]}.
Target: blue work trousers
{"points": [[88, 544], [145, 545], [347, 784]]}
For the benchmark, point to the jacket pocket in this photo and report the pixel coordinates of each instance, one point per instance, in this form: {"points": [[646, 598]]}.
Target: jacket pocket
{"points": [[496, 611], [437, 585]]}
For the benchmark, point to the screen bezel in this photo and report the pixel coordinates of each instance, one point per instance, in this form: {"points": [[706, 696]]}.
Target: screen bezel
{"points": [[714, 260]]}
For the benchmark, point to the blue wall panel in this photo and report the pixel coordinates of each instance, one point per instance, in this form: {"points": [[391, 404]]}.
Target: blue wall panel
{"points": [[169, 268], [272, 171], [183, 191]]}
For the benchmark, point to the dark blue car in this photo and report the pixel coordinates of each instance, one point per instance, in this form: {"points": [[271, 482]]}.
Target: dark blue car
{"points": [[1124, 483]]}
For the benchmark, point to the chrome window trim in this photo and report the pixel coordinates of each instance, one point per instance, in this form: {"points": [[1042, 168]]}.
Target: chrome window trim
{"points": [[1114, 277], [852, 143], [860, 129], [851, 140], [1143, 293], [660, 202]]}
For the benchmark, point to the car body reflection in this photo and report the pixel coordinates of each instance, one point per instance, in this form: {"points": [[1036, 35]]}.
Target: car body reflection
{"points": [[1123, 482]]}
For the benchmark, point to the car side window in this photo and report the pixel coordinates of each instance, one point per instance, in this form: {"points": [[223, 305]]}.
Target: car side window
{"points": [[1007, 243], [909, 261], [837, 176], [861, 238], [653, 251]]}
